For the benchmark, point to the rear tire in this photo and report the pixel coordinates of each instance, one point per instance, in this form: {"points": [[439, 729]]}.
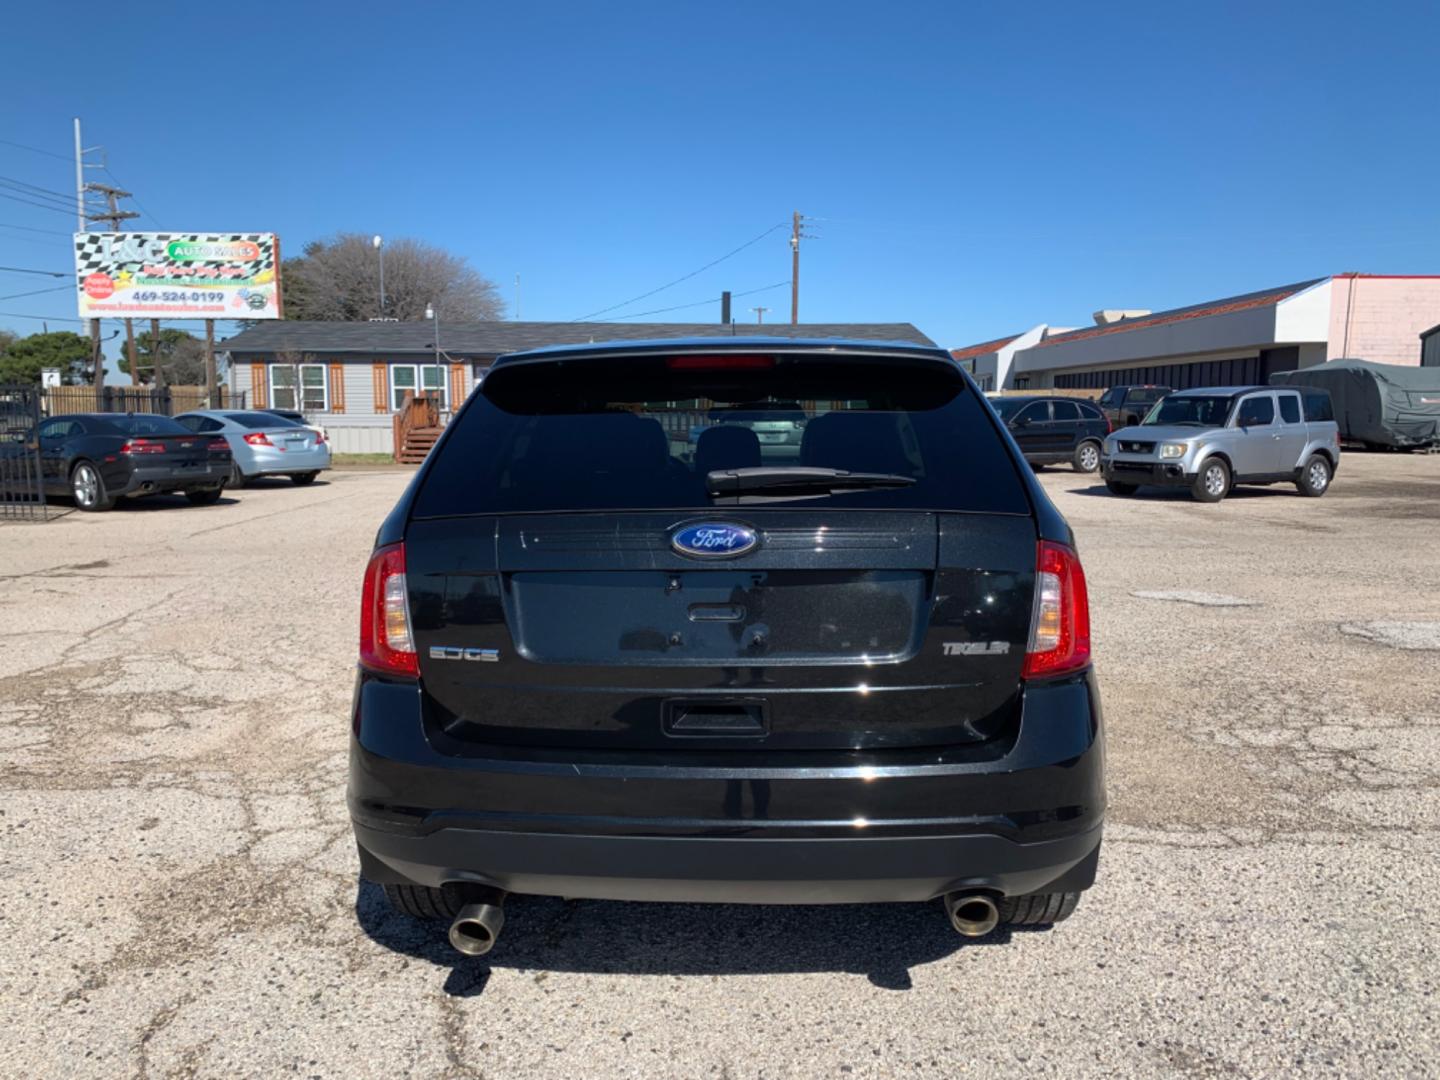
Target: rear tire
{"points": [[423, 902], [204, 496], [303, 477], [88, 488], [238, 479], [1314, 477], [1115, 487], [1212, 482], [1038, 909], [1087, 457]]}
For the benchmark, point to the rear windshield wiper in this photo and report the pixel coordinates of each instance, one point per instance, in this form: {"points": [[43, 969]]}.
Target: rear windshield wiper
{"points": [[797, 479]]}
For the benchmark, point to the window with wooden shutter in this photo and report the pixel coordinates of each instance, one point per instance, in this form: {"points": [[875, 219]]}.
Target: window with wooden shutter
{"points": [[457, 385], [379, 377], [337, 388], [258, 386]]}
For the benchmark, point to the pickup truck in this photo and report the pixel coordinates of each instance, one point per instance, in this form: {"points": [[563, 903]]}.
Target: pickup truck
{"points": [[1126, 406], [1212, 439]]}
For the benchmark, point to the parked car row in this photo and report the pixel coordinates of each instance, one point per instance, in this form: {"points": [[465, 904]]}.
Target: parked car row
{"points": [[99, 458], [1206, 439]]}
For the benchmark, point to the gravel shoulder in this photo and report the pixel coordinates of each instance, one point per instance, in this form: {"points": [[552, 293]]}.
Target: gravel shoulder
{"points": [[178, 888]]}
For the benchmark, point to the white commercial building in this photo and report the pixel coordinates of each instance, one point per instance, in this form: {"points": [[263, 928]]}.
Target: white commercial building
{"points": [[1237, 340]]}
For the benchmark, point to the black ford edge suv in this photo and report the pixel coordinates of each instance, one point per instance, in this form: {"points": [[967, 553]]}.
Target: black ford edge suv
{"points": [[599, 659]]}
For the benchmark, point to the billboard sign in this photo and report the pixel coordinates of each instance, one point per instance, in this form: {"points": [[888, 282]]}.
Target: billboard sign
{"points": [[121, 275]]}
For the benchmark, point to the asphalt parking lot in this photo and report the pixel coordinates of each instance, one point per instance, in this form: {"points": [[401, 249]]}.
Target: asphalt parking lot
{"points": [[178, 889]]}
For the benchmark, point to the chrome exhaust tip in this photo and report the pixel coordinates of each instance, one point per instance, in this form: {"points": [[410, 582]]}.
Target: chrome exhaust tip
{"points": [[476, 928], [972, 914]]}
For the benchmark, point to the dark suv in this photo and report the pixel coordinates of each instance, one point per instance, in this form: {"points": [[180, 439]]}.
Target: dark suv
{"points": [[596, 662], [1054, 430], [1126, 406]]}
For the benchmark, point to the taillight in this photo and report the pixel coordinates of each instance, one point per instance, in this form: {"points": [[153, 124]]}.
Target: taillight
{"points": [[1109, 427], [1060, 625], [217, 444], [142, 446], [385, 642], [319, 438], [258, 438]]}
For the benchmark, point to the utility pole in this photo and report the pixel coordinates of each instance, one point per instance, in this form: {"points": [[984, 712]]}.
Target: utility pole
{"points": [[155, 352], [96, 363], [517, 297], [114, 217], [759, 315], [796, 221], [210, 379]]}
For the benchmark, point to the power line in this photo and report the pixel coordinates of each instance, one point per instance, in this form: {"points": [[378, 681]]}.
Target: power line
{"points": [[698, 303], [37, 318], [35, 189], [26, 270], [31, 228], [35, 149], [37, 292], [106, 170], [686, 277], [42, 206]]}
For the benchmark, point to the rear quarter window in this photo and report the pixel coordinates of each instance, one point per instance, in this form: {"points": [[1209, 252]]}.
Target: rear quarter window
{"points": [[602, 434], [1318, 407]]}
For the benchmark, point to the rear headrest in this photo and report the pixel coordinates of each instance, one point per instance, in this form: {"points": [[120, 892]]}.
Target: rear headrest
{"points": [[727, 446], [856, 442]]}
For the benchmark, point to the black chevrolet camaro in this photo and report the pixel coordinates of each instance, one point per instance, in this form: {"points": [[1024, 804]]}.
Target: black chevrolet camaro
{"points": [[100, 457]]}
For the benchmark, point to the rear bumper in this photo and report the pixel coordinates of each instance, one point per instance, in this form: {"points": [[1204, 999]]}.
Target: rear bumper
{"points": [[144, 481], [261, 461], [706, 826]]}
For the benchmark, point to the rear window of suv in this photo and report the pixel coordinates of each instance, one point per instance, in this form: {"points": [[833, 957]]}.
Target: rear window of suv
{"points": [[1317, 405], [645, 433]]}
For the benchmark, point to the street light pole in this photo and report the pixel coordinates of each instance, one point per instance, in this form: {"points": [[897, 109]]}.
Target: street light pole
{"points": [[379, 245]]}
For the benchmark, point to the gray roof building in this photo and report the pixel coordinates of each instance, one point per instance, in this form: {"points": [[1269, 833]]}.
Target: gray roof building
{"points": [[490, 339], [355, 378]]}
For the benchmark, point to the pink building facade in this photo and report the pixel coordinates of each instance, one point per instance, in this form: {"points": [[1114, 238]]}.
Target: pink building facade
{"points": [[1380, 317]]}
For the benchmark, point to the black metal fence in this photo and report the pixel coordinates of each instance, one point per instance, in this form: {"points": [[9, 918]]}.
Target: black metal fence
{"points": [[22, 493], [166, 400]]}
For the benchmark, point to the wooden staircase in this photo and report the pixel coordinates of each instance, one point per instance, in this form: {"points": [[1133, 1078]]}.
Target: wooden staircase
{"points": [[417, 426], [417, 444]]}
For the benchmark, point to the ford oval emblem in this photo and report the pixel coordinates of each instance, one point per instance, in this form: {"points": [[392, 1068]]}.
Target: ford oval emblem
{"points": [[713, 540]]}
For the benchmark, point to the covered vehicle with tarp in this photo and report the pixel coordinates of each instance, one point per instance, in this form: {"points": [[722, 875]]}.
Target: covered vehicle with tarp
{"points": [[1377, 404]]}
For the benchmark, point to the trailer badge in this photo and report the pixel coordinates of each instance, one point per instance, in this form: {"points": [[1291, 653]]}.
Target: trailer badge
{"points": [[714, 540], [976, 648]]}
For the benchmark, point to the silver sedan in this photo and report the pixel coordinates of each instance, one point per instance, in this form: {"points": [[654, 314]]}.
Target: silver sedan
{"points": [[263, 444]]}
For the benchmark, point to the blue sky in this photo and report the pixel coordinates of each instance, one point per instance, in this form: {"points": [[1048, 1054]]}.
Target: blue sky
{"points": [[971, 171]]}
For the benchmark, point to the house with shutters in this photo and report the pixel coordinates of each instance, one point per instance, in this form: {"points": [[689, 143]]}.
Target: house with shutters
{"points": [[354, 378]]}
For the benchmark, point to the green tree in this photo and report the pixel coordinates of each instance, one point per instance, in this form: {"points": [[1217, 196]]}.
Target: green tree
{"points": [[23, 360], [181, 357]]}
